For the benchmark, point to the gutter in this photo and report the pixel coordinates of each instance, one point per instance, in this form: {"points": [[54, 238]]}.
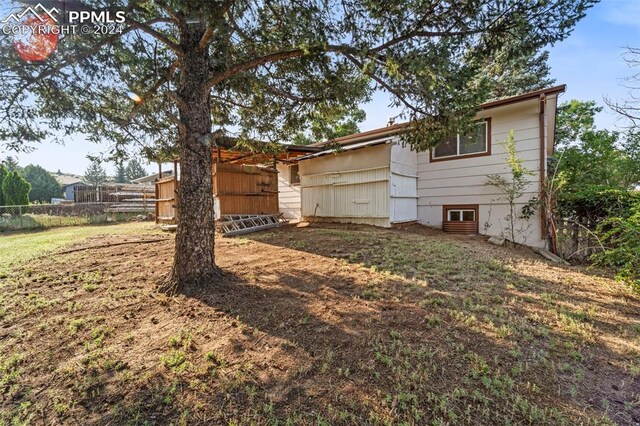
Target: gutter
{"points": [[402, 127]]}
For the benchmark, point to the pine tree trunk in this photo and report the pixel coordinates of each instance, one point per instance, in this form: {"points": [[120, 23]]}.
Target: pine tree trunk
{"points": [[194, 269]]}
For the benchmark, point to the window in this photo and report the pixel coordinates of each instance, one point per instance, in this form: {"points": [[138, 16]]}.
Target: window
{"points": [[461, 215], [294, 177], [475, 143], [460, 218]]}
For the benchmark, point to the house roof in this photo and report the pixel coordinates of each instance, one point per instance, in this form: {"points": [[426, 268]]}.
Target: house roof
{"points": [[403, 127], [67, 179], [350, 147]]}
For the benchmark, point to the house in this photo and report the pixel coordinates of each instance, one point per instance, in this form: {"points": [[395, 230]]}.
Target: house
{"points": [[68, 182], [374, 179]]}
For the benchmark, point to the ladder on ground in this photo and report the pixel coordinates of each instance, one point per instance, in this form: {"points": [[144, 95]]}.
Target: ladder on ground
{"points": [[237, 224]]}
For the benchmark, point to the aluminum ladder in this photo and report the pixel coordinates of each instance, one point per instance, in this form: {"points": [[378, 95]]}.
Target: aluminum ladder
{"points": [[244, 224]]}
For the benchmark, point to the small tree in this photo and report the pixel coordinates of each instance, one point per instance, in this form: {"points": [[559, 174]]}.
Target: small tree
{"points": [[134, 170], [121, 176], [514, 188], [44, 186], [95, 174], [3, 174], [15, 190], [11, 164]]}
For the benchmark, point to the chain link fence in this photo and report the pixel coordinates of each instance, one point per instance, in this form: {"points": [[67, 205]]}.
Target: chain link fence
{"points": [[40, 216]]}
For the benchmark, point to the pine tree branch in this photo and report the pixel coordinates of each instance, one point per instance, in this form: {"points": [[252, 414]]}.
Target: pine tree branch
{"points": [[157, 35]]}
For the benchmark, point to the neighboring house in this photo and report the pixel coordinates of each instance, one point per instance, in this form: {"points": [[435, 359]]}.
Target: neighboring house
{"points": [[373, 179], [67, 182], [152, 177]]}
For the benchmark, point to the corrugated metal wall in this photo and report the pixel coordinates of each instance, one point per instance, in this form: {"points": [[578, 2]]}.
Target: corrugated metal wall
{"points": [[356, 196], [404, 186]]}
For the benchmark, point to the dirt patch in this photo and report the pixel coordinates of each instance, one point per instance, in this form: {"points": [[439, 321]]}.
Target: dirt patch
{"points": [[319, 325]]}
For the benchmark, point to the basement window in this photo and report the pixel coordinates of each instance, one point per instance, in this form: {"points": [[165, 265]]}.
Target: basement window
{"points": [[460, 219], [294, 176], [475, 143], [461, 215]]}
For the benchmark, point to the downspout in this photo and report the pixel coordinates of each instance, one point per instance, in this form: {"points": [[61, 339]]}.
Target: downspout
{"points": [[547, 224], [542, 165]]}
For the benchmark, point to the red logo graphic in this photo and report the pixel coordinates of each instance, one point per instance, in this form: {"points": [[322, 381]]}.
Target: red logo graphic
{"points": [[39, 40]]}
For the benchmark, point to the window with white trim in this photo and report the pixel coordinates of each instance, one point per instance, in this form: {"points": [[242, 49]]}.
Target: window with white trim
{"points": [[461, 215], [476, 142]]}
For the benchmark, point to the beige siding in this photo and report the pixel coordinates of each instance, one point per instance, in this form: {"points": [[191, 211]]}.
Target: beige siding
{"points": [[288, 194], [351, 186], [464, 181]]}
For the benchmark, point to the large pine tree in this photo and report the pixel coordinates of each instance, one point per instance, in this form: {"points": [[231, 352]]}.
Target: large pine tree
{"points": [[262, 70], [516, 69]]}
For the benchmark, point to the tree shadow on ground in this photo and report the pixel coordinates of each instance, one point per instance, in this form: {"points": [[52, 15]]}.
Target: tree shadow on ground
{"points": [[294, 335]]}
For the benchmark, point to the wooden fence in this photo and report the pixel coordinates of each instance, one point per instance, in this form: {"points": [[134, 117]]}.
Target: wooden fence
{"points": [[123, 198], [244, 189], [166, 200], [575, 242], [238, 190]]}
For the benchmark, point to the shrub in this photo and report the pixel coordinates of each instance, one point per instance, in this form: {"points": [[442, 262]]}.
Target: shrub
{"points": [[3, 173], [44, 186], [15, 190], [621, 237], [594, 203]]}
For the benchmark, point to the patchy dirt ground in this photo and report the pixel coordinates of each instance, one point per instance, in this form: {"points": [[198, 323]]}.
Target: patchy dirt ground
{"points": [[328, 324]]}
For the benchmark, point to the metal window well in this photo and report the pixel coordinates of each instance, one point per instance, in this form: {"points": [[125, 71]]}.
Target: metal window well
{"points": [[232, 225]]}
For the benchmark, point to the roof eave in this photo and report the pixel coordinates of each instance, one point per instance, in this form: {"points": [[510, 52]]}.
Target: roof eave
{"points": [[401, 127]]}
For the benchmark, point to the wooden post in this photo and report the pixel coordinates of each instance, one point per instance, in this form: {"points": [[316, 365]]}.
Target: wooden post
{"points": [[157, 207], [176, 196]]}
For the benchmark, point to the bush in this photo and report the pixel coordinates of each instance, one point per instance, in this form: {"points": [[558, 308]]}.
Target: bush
{"points": [[15, 190], [44, 186], [3, 173], [621, 238], [594, 203]]}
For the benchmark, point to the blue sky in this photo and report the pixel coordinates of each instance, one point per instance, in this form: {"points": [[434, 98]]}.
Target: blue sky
{"points": [[591, 63]]}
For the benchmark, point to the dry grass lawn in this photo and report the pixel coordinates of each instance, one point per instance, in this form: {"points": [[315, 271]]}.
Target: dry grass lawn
{"points": [[327, 324]]}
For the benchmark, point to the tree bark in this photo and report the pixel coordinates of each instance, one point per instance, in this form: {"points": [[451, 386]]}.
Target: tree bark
{"points": [[194, 268]]}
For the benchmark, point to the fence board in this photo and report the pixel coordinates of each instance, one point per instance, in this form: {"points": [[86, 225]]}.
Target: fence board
{"points": [[575, 242], [239, 190], [166, 200], [245, 189]]}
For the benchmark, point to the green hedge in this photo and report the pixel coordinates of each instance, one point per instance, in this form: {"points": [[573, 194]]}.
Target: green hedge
{"points": [[621, 237]]}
